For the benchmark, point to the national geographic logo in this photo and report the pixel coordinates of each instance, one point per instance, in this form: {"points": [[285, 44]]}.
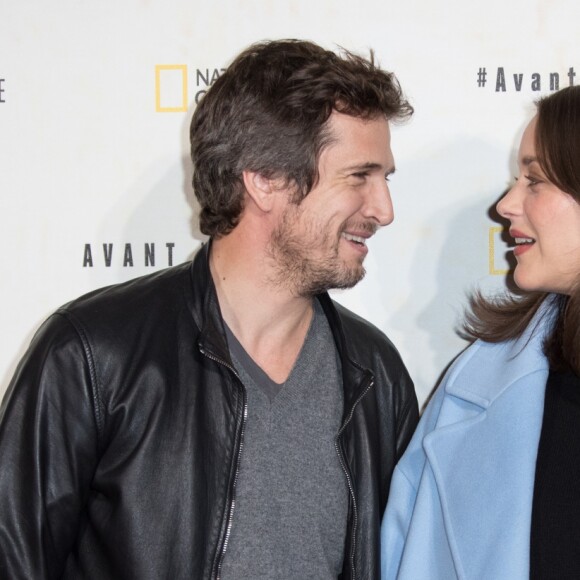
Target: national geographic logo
{"points": [[497, 263], [128, 255], [171, 86], [505, 81], [2, 90]]}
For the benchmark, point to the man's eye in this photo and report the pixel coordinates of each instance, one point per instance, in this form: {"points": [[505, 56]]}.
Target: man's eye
{"points": [[360, 174]]}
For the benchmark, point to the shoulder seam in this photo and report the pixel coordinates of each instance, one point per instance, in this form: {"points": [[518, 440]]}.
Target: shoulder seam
{"points": [[95, 387]]}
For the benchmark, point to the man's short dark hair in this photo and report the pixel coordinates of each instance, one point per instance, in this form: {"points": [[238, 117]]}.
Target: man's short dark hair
{"points": [[268, 114]]}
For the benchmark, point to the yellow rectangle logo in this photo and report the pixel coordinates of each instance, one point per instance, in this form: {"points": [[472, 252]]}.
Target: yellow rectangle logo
{"points": [[494, 269], [171, 88]]}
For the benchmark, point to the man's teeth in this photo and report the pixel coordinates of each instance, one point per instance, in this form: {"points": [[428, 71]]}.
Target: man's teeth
{"points": [[524, 240], [352, 238]]}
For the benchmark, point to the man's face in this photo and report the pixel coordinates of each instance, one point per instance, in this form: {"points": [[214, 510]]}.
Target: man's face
{"points": [[320, 243]]}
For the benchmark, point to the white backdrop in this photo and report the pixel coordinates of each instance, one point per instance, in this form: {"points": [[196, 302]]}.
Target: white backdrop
{"points": [[95, 103]]}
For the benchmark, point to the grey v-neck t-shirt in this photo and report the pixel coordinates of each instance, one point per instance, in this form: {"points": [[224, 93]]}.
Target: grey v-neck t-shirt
{"points": [[254, 371], [291, 496]]}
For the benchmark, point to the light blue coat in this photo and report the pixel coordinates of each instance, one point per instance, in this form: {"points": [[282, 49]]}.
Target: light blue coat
{"points": [[461, 496]]}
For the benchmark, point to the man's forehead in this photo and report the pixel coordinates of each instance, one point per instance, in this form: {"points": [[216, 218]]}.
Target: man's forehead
{"points": [[356, 143]]}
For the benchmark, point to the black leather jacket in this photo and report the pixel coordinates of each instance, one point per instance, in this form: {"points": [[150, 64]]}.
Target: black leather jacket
{"points": [[120, 435]]}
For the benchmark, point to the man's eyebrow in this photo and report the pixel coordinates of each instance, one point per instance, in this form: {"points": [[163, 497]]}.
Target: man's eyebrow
{"points": [[369, 166]]}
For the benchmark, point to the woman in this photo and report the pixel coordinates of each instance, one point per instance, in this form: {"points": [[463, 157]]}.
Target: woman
{"points": [[489, 487]]}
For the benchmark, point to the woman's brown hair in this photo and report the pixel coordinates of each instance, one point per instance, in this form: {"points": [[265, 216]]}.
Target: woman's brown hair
{"points": [[557, 142]]}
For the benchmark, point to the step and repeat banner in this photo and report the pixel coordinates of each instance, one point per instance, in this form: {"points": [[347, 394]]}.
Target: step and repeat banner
{"points": [[95, 104]]}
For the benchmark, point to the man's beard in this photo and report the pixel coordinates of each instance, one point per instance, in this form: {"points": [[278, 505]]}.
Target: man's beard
{"points": [[309, 262]]}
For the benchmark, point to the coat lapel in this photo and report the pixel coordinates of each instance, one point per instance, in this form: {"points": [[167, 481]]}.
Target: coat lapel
{"points": [[483, 452]]}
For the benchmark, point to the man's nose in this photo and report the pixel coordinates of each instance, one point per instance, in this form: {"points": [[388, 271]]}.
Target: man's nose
{"points": [[379, 206]]}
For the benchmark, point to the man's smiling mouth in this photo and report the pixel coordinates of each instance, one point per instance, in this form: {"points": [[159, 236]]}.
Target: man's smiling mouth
{"points": [[357, 239]]}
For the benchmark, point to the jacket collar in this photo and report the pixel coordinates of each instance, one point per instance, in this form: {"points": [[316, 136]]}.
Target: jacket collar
{"points": [[355, 377], [511, 360], [205, 309], [482, 451]]}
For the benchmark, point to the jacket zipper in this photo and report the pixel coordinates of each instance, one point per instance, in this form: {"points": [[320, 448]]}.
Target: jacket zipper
{"points": [[218, 568], [348, 477]]}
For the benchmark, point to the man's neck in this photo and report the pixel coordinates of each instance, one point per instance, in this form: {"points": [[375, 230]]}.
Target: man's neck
{"points": [[268, 320]]}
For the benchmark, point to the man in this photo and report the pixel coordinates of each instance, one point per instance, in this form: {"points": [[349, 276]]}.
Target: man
{"points": [[225, 418]]}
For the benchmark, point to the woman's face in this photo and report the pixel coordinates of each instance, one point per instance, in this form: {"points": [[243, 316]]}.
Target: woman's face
{"points": [[545, 225]]}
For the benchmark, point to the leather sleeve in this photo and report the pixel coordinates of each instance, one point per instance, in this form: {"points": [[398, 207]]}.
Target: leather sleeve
{"points": [[48, 452], [408, 415]]}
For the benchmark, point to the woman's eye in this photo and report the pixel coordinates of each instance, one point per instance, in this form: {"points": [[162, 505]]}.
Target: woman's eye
{"points": [[532, 180]]}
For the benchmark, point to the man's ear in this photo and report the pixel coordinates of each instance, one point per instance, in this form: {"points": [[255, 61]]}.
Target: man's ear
{"points": [[261, 189]]}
